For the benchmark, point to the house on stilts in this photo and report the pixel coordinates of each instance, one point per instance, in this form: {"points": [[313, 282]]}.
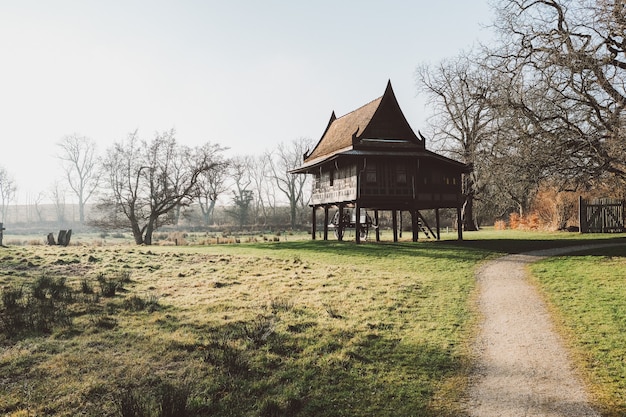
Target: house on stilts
{"points": [[371, 160]]}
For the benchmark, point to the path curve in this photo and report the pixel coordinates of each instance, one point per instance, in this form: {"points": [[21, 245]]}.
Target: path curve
{"points": [[523, 368]]}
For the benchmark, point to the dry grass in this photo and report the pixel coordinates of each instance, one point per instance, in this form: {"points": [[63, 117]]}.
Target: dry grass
{"points": [[305, 328], [287, 328]]}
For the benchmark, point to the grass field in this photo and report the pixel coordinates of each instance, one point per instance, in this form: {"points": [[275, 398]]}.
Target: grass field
{"points": [[588, 296], [301, 327]]}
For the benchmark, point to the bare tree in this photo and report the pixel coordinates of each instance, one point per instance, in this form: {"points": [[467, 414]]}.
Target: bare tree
{"points": [[57, 195], [211, 182], [147, 181], [243, 196], [37, 205], [78, 157], [263, 188], [460, 92], [7, 191], [283, 159], [574, 51]]}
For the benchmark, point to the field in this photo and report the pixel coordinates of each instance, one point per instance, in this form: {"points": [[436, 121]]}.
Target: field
{"points": [[293, 327], [588, 296]]}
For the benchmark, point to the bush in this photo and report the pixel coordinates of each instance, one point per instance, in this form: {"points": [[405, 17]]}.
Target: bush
{"points": [[108, 286], [136, 303], [169, 400], [39, 307], [86, 287]]}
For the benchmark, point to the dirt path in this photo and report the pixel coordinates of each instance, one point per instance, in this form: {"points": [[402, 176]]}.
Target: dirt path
{"points": [[523, 368]]}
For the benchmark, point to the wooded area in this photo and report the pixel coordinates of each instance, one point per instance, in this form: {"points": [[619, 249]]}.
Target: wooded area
{"points": [[540, 108]]}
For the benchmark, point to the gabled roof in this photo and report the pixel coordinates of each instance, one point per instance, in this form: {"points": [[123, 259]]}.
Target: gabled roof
{"points": [[379, 124]]}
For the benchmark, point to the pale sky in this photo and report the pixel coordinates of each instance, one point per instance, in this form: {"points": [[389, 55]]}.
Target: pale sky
{"points": [[242, 73]]}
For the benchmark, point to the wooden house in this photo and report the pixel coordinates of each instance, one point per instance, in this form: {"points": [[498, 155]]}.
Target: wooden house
{"points": [[370, 159]]}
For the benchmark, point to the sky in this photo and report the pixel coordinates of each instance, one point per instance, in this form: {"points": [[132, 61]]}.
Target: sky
{"points": [[244, 74]]}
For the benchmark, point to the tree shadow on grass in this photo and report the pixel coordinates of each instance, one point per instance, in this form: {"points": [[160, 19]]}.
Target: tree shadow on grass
{"points": [[465, 249]]}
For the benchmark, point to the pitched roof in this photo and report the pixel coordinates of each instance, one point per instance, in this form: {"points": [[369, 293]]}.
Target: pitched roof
{"points": [[379, 123], [340, 132]]}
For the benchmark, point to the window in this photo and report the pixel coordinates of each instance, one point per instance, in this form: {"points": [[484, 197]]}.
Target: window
{"points": [[401, 174], [370, 173]]}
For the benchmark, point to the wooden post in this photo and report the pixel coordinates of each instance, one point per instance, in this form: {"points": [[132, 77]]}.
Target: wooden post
{"points": [[325, 222], [377, 227], [1, 233], [394, 219], [313, 223], [581, 216], [459, 223], [357, 222], [623, 215], [340, 225], [414, 225], [437, 221]]}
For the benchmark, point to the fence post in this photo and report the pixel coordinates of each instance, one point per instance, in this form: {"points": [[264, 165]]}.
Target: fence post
{"points": [[582, 215], [1, 233]]}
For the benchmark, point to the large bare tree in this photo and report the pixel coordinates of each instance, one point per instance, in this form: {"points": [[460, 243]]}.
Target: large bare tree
{"points": [[574, 52], [211, 182], [460, 91], [147, 180], [80, 164]]}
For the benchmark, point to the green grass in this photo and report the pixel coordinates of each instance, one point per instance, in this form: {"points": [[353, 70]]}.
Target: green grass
{"points": [[263, 329], [588, 295]]}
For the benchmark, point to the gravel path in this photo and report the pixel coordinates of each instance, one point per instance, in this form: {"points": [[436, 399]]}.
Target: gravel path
{"points": [[523, 368]]}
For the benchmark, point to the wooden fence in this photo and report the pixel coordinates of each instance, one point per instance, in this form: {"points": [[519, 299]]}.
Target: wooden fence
{"points": [[603, 215]]}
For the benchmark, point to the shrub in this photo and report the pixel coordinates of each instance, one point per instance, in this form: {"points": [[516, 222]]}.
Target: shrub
{"points": [[224, 354], [280, 304], [499, 225], [174, 400], [12, 317], [168, 400], [108, 286], [103, 321], [132, 404], [86, 287], [39, 307], [259, 330], [136, 303]]}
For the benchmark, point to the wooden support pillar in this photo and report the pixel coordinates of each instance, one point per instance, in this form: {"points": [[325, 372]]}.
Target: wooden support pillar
{"points": [[437, 221], [377, 228], [459, 223], [415, 225], [340, 225], [325, 222], [357, 222], [313, 223], [394, 219]]}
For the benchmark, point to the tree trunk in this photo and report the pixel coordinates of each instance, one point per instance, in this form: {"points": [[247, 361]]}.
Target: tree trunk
{"points": [[147, 240], [293, 209], [81, 212], [468, 214], [137, 233]]}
